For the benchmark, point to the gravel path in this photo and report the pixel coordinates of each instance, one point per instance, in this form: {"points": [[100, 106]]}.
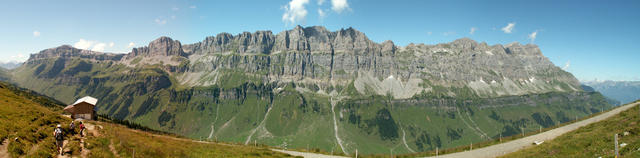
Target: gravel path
{"points": [[3, 149], [307, 155], [515, 145]]}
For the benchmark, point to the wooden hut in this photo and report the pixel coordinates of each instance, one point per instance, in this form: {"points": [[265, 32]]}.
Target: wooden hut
{"points": [[84, 108]]}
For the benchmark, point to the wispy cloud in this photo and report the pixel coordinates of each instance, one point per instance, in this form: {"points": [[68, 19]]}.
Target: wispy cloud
{"points": [[429, 33], [472, 30], [339, 5], [83, 44], [321, 14], [36, 33], [131, 44], [566, 65], [111, 44], [160, 21], [19, 57], [175, 8], [509, 27], [99, 47], [295, 11], [320, 2], [192, 7], [533, 36]]}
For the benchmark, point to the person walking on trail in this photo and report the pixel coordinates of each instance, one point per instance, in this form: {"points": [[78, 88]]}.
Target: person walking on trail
{"points": [[57, 133], [81, 129], [72, 128]]}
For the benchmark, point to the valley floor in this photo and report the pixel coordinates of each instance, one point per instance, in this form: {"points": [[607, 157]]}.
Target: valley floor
{"points": [[515, 145]]}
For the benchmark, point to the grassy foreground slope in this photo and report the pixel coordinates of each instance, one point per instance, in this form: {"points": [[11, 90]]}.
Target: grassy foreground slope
{"points": [[127, 142], [27, 122], [28, 119], [595, 140]]}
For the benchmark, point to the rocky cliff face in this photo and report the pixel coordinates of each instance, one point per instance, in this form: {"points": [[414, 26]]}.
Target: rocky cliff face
{"points": [[314, 55], [318, 57], [67, 51]]}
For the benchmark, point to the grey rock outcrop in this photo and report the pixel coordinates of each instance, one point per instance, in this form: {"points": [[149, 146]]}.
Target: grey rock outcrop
{"points": [[67, 51], [163, 46]]}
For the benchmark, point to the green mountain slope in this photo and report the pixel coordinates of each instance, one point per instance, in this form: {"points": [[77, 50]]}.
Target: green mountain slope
{"points": [[594, 140], [4, 75], [27, 121], [313, 96]]}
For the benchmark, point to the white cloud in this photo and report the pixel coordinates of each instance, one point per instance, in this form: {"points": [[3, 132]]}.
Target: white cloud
{"points": [[161, 21], [429, 33], [295, 11], [192, 7], [509, 27], [175, 8], [19, 57], [473, 30], [320, 2], [566, 65], [131, 44], [533, 36], [84, 44], [36, 33], [321, 14], [173, 17], [339, 5], [99, 47], [92, 45]]}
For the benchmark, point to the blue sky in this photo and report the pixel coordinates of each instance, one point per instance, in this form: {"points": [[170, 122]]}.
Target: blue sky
{"points": [[591, 39]]}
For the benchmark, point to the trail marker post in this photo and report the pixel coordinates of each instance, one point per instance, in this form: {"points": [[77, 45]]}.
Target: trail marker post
{"points": [[615, 140]]}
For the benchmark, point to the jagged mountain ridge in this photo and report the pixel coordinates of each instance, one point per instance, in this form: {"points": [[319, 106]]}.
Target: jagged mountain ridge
{"points": [[316, 56]]}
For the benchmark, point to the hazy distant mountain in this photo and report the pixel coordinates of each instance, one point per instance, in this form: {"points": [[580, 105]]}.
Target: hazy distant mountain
{"points": [[336, 91], [10, 64], [623, 91], [4, 76]]}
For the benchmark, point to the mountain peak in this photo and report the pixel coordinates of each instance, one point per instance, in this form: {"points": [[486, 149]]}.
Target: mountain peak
{"points": [[162, 46]]}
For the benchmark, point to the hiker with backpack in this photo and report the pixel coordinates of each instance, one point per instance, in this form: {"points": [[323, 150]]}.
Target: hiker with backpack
{"points": [[57, 134], [81, 126], [72, 128]]}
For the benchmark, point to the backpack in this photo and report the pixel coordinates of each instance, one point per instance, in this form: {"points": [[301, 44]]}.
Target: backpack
{"points": [[58, 134]]}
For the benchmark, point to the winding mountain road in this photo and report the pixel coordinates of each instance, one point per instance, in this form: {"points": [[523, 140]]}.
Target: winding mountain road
{"points": [[515, 145]]}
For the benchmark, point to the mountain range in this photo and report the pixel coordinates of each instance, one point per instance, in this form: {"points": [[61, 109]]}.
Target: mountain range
{"points": [[310, 87], [9, 64], [623, 91]]}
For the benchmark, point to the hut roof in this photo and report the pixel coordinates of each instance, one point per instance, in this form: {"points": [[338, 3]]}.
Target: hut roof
{"points": [[87, 99]]}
